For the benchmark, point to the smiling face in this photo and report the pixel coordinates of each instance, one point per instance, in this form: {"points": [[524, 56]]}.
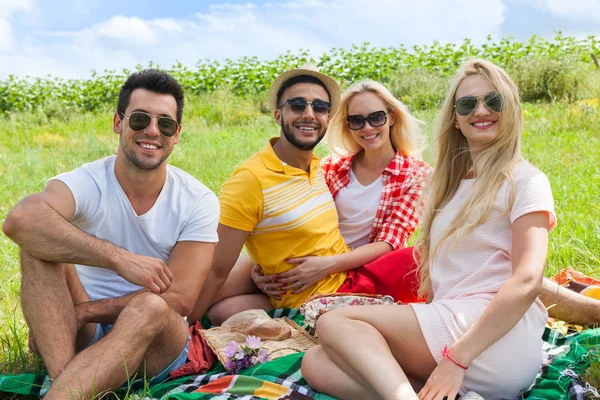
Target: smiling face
{"points": [[306, 129], [146, 149], [482, 126], [369, 137]]}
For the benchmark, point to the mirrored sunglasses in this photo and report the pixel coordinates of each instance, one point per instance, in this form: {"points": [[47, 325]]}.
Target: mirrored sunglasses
{"points": [[467, 104]]}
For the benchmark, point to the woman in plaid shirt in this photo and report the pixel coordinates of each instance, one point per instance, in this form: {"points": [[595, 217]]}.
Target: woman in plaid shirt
{"points": [[376, 177]]}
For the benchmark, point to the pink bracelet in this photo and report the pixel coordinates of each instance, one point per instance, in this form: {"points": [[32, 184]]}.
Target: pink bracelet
{"points": [[446, 353]]}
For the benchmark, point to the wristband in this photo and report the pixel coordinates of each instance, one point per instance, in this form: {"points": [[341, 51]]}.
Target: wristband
{"points": [[446, 353]]}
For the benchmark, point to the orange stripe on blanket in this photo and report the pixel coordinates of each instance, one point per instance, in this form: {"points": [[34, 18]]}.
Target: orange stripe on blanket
{"points": [[246, 386], [219, 385]]}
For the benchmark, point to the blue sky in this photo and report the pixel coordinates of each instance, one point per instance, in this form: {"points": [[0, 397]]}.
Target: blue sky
{"points": [[70, 38]]}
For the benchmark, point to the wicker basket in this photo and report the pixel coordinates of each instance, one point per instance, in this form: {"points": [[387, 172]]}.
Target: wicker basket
{"points": [[218, 339]]}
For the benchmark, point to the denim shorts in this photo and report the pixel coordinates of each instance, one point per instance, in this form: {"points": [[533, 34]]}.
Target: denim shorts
{"points": [[103, 329]]}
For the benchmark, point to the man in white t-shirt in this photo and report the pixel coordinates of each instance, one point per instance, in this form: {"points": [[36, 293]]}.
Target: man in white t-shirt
{"points": [[120, 245]]}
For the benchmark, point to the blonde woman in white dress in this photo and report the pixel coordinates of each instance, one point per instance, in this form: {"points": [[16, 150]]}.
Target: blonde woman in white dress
{"points": [[483, 248]]}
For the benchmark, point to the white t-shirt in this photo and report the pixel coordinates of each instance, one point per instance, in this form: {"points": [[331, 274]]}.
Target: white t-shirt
{"points": [[356, 206], [185, 210]]}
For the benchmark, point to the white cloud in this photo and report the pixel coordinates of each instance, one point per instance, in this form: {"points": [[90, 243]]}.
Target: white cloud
{"points": [[7, 9], [571, 8], [6, 39], [131, 29], [233, 30]]}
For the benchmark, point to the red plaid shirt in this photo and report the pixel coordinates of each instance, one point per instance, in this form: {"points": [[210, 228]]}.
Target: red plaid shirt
{"points": [[399, 208]]}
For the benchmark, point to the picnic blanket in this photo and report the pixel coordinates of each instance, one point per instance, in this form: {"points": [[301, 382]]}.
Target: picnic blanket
{"points": [[565, 360]]}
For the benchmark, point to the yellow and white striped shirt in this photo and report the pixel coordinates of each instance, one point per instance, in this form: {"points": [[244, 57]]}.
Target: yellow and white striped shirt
{"points": [[289, 212]]}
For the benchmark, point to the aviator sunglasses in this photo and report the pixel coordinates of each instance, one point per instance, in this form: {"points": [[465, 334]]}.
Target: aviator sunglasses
{"points": [[298, 105], [375, 119], [466, 105], [138, 121]]}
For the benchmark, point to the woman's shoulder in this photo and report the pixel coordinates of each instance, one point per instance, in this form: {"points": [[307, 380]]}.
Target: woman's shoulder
{"points": [[417, 167], [524, 172], [335, 162]]}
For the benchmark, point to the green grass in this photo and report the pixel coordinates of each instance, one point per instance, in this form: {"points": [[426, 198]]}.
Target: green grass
{"points": [[220, 131]]}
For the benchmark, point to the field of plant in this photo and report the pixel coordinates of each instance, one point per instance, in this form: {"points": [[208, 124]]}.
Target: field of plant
{"points": [[52, 126], [562, 74]]}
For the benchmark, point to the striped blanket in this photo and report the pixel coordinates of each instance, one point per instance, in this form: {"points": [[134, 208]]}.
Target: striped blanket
{"points": [[566, 359]]}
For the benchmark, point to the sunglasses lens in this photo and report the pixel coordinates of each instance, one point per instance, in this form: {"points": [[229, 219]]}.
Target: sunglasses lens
{"points": [[297, 105], [139, 121], [493, 101], [466, 105], [167, 126], [320, 107], [376, 119], [355, 122]]}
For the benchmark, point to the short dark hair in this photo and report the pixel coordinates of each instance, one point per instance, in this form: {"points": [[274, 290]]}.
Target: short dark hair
{"points": [[300, 79], [154, 80]]}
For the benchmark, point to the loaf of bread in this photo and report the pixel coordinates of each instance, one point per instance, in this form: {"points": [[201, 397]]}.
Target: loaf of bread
{"points": [[258, 323]]}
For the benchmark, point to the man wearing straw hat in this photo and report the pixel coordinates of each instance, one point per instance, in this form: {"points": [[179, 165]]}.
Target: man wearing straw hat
{"points": [[277, 202]]}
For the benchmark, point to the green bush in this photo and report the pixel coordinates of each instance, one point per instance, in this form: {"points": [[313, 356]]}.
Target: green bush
{"points": [[420, 88], [548, 79], [250, 77]]}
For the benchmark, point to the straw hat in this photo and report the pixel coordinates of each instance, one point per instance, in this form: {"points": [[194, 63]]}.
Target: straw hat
{"points": [[307, 69]]}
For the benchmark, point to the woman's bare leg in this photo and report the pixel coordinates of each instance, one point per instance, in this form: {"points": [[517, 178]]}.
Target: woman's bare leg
{"points": [[378, 347], [224, 309], [317, 368]]}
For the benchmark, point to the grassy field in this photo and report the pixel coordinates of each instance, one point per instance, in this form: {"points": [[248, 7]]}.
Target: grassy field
{"points": [[562, 139]]}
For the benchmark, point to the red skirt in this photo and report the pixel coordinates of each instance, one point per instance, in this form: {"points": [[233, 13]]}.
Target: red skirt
{"points": [[393, 274]]}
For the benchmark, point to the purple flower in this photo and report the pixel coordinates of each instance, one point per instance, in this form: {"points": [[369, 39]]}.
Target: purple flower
{"points": [[253, 342], [231, 349], [263, 355], [239, 355]]}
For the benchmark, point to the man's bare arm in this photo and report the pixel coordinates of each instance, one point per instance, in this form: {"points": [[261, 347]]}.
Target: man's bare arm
{"points": [[40, 225], [189, 263], [227, 251]]}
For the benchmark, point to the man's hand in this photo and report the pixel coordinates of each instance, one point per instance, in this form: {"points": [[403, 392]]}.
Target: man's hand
{"points": [[149, 272], [81, 315]]}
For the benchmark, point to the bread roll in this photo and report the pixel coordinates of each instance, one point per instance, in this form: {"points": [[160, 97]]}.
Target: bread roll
{"points": [[258, 323]]}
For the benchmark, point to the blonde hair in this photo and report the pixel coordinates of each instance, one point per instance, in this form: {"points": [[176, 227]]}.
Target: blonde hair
{"points": [[492, 166], [404, 133]]}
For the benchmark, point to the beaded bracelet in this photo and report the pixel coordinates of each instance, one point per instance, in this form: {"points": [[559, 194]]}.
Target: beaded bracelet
{"points": [[446, 353]]}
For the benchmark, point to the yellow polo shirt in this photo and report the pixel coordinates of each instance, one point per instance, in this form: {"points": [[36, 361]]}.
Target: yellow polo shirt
{"points": [[288, 212]]}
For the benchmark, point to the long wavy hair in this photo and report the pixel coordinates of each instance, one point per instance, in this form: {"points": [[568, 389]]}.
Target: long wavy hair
{"points": [[492, 166], [404, 133]]}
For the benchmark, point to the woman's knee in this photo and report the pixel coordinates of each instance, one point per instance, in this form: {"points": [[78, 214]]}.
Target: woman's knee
{"points": [[224, 309], [328, 325]]}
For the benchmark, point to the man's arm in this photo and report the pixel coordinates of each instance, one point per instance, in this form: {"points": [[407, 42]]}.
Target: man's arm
{"points": [[226, 254], [189, 263], [40, 225]]}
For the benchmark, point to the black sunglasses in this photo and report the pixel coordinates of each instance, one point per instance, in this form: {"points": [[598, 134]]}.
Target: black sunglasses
{"points": [[466, 105], [375, 119], [298, 105], [138, 121]]}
